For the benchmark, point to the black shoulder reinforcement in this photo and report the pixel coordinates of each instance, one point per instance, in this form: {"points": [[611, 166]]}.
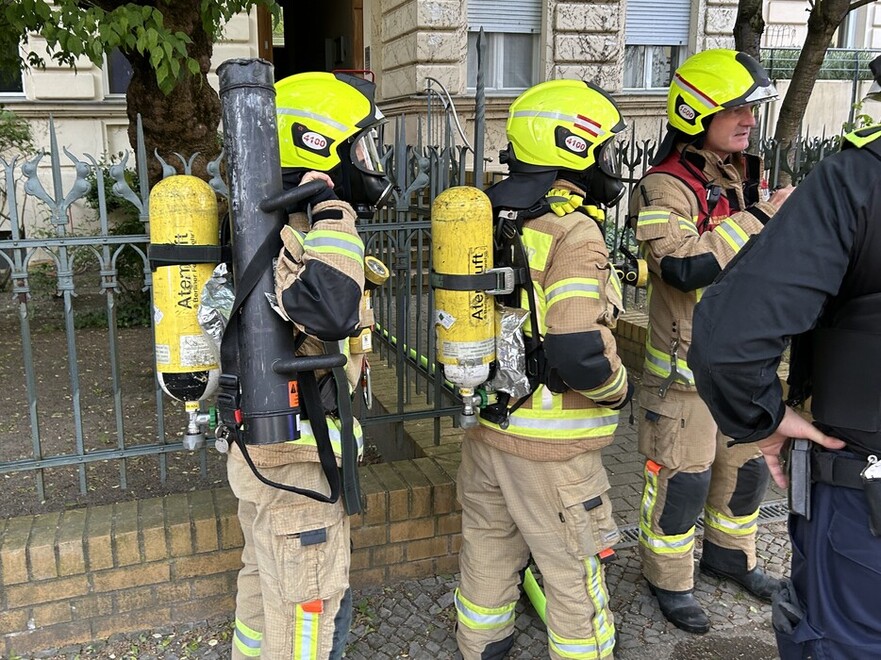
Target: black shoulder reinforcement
{"points": [[578, 359], [690, 273], [324, 301]]}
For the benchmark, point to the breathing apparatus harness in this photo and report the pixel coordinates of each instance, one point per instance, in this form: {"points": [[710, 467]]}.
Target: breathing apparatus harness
{"points": [[680, 165], [515, 200], [303, 384]]}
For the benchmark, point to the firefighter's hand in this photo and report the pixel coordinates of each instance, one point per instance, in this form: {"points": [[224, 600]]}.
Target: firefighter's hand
{"points": [[563, 201], [780, 195], [326, 194]]}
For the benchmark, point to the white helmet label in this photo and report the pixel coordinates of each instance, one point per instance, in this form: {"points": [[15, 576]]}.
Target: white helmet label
{"points": [[576, 144], [686, 112], [314, 141]]}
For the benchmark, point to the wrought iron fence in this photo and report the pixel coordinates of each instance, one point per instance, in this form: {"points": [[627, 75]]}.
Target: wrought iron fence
{"points": [[839, 63], [72, 408]]}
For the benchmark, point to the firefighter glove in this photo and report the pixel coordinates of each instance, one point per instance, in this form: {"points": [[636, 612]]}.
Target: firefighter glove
{"points": [[563, 201], [325, 195]]}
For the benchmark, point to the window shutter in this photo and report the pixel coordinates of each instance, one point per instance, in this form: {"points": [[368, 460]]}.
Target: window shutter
{"points": [[523, 16], [657, 22]]}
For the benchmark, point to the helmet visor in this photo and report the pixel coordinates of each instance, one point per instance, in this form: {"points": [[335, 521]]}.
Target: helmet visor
{"points": [[365, 152], [375, 188], [608, 158]]}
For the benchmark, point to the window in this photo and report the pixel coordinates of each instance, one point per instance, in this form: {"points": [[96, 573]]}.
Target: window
{"points": [[119, 72], [651, 67], [846, 35], [511, 32], [10, 79], [656, 39]]}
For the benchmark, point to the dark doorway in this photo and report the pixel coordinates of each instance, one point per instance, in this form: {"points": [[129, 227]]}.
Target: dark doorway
{"points": [[330, 38]]}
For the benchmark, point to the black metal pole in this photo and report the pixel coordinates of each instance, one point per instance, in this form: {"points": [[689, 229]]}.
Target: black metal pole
{"points": [[247, 96]]}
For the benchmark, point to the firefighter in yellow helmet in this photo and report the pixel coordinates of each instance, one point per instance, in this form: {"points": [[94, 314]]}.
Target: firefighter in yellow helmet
{"points": [[293, 597], [693, 211], [531, 481], [827, 301]]}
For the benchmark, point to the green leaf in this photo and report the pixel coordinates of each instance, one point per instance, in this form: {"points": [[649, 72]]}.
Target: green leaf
{"points": [[193, 66], [161, 76]]}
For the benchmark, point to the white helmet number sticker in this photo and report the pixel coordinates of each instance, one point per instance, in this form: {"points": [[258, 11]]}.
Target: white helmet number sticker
{"points": [[315, 141], [576, 144], [686, 112]]}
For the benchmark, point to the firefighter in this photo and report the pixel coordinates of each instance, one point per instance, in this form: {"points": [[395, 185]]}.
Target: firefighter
{"points": [[815, 266], [694, 209], [293, 598], [531, 480]]}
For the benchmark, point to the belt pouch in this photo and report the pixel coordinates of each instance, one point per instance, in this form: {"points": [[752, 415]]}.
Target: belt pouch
{"points": [[872, 489]]}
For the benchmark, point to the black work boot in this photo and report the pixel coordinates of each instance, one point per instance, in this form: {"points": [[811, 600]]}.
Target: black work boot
{"points": [[681, 609], [727, 564]]}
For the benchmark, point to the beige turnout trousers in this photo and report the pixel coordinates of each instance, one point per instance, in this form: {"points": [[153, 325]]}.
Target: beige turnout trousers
{"points": [[296, 563], [557, 511], [690, 469]]}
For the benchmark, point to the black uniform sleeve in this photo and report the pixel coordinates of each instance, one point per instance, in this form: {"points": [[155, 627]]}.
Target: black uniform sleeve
{"points": [[776, 288]]}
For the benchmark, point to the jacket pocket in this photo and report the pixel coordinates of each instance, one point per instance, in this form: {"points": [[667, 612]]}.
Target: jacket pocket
{"points": [[587, 513], [311, 551], [660, 428]]}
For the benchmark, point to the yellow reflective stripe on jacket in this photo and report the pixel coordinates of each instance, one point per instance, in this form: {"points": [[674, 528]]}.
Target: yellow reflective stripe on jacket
{"points": [[732, 233], [658, 363], [247, 640], [572, 287], [307, 438], [538, 247], [328, 241], [734, 525], [658, 543], [650, 218], [688, 226], [482, 618], [557, 423], [297, 234], [611, 391]]}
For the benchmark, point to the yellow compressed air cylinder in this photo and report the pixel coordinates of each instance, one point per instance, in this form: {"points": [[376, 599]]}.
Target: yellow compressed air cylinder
{"points": [[183, 212], [461, 244]]}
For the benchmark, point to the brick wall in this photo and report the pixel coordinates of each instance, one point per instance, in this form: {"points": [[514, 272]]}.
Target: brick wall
{"points": [[84, 574]]}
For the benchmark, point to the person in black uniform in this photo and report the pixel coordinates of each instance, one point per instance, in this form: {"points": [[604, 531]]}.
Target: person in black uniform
{"points": [[813, 274]]}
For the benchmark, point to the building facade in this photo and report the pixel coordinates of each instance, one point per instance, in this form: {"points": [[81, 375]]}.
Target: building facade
{"points": [[629, 47]]}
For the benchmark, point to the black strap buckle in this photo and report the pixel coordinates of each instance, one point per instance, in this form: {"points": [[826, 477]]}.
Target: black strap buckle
{"points": [[229, 402]]}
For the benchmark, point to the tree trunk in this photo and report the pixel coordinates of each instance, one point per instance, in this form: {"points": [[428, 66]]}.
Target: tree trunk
{"points": [[187, 120], [823, 20], [748, 27]]}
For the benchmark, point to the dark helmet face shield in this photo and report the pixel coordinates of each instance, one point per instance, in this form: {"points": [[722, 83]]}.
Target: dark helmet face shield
{"points": [[604, 180], [608, 159], [369, 175]]}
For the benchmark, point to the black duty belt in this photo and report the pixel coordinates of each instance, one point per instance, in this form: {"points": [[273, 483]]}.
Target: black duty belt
{"points": [[831, 468]]}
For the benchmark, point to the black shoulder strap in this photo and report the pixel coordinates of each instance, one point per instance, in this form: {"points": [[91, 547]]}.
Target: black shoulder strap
{"points": [[509, 251], [309, 387]]}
